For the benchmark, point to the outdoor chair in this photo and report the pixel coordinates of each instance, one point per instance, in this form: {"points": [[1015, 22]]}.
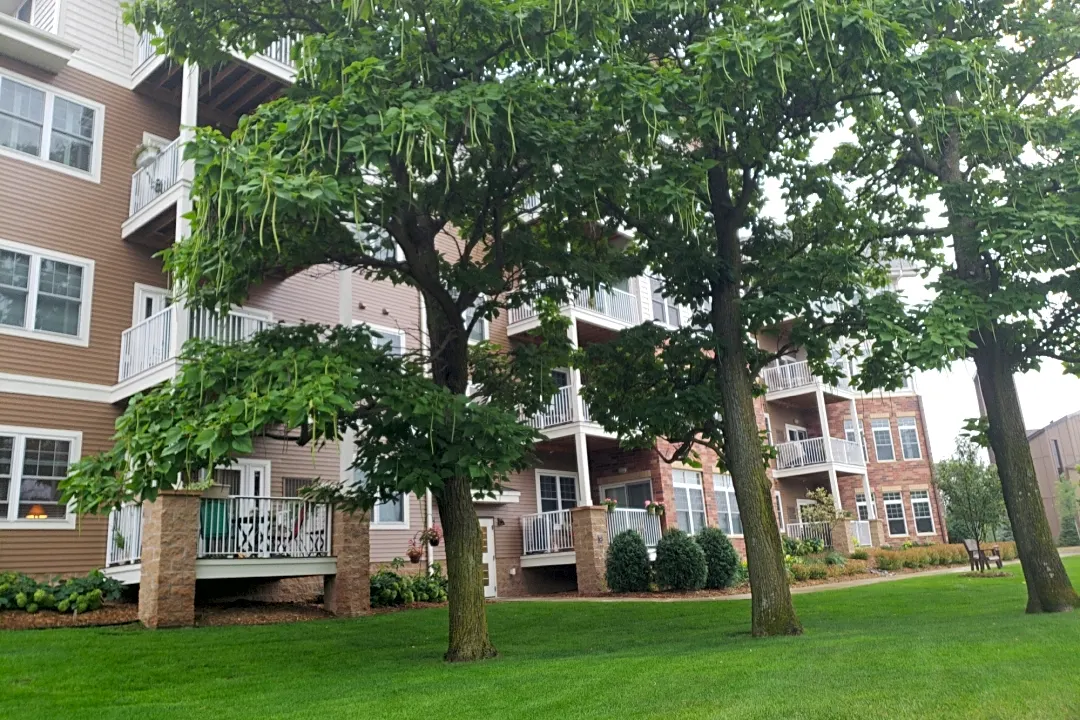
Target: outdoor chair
{"points": [[980, 559]]}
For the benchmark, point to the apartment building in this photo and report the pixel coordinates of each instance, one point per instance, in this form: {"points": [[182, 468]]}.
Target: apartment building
{"points": [[1055, 449], [92, 117]]}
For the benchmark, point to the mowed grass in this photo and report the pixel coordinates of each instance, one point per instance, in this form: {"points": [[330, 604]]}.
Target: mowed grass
{"points": [[932, 647]]}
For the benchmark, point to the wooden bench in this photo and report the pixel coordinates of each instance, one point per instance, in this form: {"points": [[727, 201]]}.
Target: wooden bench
{"points": [[980, 559]]}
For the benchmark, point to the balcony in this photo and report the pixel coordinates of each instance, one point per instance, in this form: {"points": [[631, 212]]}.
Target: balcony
{"points": [[155, 188], [809, 456], [239, 536], [148, 350], [792, 379], [608, 307], [858, 530], [548, 537], [561, 414], [28, 32]]}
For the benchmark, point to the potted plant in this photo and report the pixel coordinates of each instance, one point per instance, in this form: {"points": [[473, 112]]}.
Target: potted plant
{"points": [[415, 552], [432, 536], [654, 508], [145, 154], [611, 504]]}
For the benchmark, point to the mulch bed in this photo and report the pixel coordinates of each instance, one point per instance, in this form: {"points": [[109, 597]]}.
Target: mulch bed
{"points": [[110, 614], [257, 613]]}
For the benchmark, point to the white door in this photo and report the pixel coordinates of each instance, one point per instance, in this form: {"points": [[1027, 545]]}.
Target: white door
{"points": [[487, 555], [800, 504], [249, 483], [148, 301]]}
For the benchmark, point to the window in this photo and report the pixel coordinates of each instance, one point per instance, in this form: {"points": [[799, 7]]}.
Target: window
{"points": [[883, 440], [391, 339], [375, 241], [25, 11], [778, 507], [664, 311], [630, 495], [38, 123], [479, 331], [689, 500], [920, 510], [387, 512], [861, 505], [796, 433], [291, 486], [727, 509], [1056, 448], [851, 436], [44, 295], [768, 429], [909, 438], [894, 513], [557, 491], [32, 464]]}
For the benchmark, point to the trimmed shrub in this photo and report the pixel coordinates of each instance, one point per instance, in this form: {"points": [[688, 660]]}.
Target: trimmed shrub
{"points": [[680, 562], [835, 558], [860, 555], [389, 589], [627, 563], [818, 572], [800, 571], [720, 557], [917, 557], [74, 595]]}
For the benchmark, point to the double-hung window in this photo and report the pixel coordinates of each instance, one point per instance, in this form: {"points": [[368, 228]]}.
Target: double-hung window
{"points": [[883, 444], [861, 505], [664, 311], [689, 500], [558, 491], [41, 125], [44, 294], [727, 509], [479, 330], [387, 512], [32, 464], [851, 435], [894, 513], [909, 438], [920, 510]]}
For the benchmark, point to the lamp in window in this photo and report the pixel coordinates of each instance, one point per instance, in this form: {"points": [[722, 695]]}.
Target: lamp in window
{"points": [[37, 513]]}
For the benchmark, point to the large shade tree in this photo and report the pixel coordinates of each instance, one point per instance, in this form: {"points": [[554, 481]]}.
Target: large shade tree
{"points": [[721, 99], [980, 111], [451, 147]]}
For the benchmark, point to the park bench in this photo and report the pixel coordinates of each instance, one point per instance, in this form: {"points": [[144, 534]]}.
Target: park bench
{"points": [[980, 559]]}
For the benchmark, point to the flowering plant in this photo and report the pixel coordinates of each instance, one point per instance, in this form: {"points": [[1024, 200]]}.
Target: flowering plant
{"points": [[654, 508], [415, 551], [611, 504], [432, 535]]}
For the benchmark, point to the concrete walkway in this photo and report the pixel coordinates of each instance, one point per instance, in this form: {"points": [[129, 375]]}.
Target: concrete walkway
{"points": [[1064, 552]]}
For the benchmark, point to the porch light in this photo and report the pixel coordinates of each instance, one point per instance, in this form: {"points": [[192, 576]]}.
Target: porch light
{"points": [[37, 513]]}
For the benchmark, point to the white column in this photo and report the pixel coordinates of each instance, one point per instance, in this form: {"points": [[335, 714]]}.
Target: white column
{"points": [[835, 487], [871, 506], [189, 118], [584, 482], [345, 305], [577, 410], [823, 417]]}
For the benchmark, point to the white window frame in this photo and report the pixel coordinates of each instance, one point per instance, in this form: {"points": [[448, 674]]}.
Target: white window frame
{"points": [[141, 292], [687, 488], [768, 429], [51, 93], [851, 434], [373, 517], [800, 503], [778, 499], [21, 433], [892, 444], [930, 510], [483, 324], [798, 429], [646, 480], [900, 421], [381, 330], [578, 501], [863, 505], [899, 502], [36, 256], [730, 492], [665, 321]]}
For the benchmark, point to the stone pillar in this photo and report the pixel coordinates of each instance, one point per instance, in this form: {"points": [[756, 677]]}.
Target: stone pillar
{"points": [[590, 548], [170, 543], [841, 537], [877, 532], [348, 593]]}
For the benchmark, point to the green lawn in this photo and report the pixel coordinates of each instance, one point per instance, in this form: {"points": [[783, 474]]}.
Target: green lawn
{"points": [[932, 647]]}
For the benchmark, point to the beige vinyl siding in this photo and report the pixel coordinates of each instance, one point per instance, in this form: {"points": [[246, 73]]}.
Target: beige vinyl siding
{"points": [[67, 551], [97, 27], [55, 211], [309, 296]]}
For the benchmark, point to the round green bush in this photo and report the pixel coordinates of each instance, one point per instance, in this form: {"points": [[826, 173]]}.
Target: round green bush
{"points": [[680, 562], [628, 563], [720, 557]]}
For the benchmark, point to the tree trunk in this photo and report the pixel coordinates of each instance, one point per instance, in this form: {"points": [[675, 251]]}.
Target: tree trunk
{"points": [[468, 616], [1048, 586], [461, 527]]}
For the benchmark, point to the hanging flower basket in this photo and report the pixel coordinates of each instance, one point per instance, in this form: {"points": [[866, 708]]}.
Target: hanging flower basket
{"points": [[611, 504]]}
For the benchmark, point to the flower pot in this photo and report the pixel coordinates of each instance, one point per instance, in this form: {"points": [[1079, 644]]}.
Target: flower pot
{"points": [[146, 157], [414, 559], [434, 542]]}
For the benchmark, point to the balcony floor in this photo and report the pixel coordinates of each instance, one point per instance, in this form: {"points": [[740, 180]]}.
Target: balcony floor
{"points": [[231, 568]]}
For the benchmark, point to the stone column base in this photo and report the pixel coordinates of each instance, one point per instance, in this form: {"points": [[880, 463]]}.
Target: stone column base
{"points": [[877, 533], [170, 543], [590, 548], [348, 593], [841, 537]]}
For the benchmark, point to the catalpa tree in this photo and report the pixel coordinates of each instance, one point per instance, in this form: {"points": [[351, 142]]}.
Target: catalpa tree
{"points": [[451, 147]]}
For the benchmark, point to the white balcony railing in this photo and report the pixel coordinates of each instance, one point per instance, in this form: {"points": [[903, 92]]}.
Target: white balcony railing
{"points": [[124, 544], [151, 182], [847, 452], [144, 49], [640, 521], [795, 375], [159, 338], [560, 410], [613, 303], [280, 51], [810, 531], [800, 453], [547, 532], [248, 526]]}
